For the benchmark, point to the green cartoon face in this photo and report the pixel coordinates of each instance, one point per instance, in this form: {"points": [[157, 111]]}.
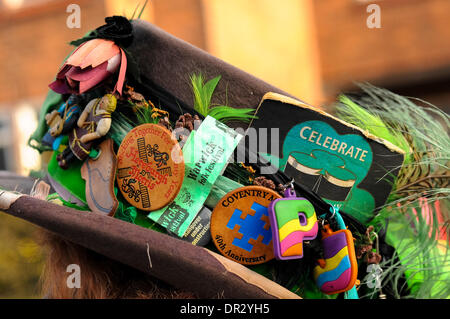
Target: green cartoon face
{"points": [[330, 164]]}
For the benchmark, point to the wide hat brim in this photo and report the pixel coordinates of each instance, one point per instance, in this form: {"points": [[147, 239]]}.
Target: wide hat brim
{"points": [[176, 262]]}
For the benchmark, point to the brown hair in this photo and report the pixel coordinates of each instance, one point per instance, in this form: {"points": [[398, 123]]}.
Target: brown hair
{"points": [[101, 277]]}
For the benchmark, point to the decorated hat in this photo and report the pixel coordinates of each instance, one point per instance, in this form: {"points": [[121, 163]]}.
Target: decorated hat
{"points": [[153, 164]]}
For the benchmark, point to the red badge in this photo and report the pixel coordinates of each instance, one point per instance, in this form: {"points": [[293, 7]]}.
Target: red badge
{"points": [[150, 167]]}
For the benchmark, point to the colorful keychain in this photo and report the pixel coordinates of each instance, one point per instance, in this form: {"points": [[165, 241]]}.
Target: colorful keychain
{"points": [[293, 220], [337, 272]]}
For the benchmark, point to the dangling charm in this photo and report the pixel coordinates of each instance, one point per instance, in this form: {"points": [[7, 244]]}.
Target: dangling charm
{"points": [[374, 271], [293, 221], [337, 272]]}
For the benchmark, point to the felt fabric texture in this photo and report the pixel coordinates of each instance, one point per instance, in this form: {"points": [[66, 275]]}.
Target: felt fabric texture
{"points": [[174, 261], [168, 62]]}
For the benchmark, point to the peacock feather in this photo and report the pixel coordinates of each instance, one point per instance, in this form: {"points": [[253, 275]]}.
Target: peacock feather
{"points": [[421, 132]]}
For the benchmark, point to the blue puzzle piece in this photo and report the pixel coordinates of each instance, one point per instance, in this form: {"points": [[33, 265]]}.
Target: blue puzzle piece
{"points": [[250, 227]]}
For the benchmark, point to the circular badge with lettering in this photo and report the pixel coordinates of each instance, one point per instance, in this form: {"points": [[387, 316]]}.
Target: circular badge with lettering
{"points": [[150, 167], [240, 226]]}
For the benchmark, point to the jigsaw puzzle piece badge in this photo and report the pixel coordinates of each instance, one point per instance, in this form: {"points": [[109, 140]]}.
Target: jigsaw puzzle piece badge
{"points": [[251, 227]]}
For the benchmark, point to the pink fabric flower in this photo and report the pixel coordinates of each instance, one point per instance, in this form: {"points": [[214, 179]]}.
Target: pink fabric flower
{"points": [[91, 63]]}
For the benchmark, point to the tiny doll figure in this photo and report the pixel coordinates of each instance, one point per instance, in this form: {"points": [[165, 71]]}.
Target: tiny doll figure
{"points": [[62, 120], [93, 123]]}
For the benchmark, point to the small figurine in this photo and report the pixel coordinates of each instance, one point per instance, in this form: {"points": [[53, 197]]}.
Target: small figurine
{"points": [[93, 123], [62, 120]]}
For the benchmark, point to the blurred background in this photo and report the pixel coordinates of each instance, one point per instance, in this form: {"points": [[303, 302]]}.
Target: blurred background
{"points": [[313, 49]]}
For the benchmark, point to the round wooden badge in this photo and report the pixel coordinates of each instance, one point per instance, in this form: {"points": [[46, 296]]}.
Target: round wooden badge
{"points": [[150, 167], [240, 226]]}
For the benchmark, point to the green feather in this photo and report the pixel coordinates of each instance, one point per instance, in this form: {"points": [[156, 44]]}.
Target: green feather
{"points": [[121, 125], [203, 93], [421, 132], [424, 176], [422, 259], [350, 112], [134, 12]]}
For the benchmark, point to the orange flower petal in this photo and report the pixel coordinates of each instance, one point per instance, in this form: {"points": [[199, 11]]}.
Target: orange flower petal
{"points": [[123, 70], [81, 52], [101, 53]]}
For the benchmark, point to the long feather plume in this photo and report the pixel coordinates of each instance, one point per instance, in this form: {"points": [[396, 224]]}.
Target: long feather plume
{"points": [[418, 206]]}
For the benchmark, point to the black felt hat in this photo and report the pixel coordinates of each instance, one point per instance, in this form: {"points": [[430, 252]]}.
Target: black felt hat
{"points": [[165, 63]]}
